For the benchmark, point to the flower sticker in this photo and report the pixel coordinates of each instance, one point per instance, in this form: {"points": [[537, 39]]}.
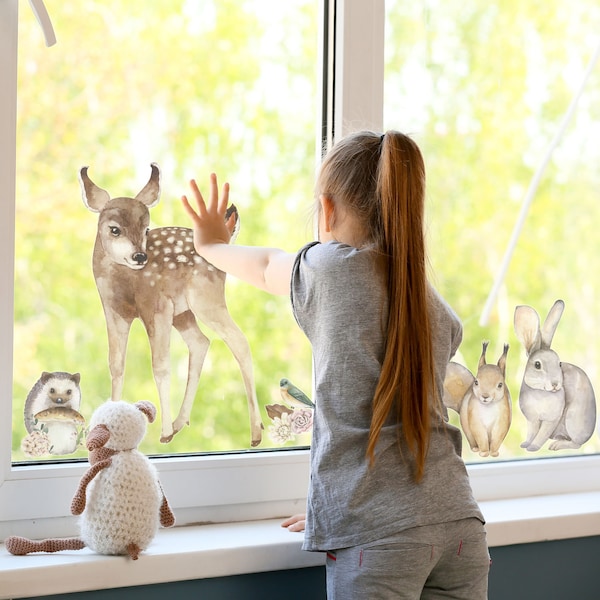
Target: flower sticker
{"points": [[301, 420], [36, 443], [281, 430]]}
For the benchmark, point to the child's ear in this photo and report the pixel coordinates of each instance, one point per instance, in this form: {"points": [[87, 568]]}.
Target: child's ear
{"points": [[327, 211]]}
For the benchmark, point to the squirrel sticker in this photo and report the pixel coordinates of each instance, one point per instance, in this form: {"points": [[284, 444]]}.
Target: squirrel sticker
{"points": [[483, 402], [119, 498]]}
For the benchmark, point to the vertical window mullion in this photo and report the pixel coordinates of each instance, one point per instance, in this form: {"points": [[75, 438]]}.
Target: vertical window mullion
{"points": [[8, 120], [359, 62]]}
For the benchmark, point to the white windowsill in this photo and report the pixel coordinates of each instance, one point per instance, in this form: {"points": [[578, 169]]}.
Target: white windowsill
{"points": [[203, 551]]}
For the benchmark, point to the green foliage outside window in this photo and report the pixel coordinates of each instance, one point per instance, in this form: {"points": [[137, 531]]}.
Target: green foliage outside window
{"points": [[197, 87], [230, 87], [484, 87]]}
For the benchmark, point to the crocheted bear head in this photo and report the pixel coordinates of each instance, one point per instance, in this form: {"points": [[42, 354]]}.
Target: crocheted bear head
{"points": [[125, 422]]}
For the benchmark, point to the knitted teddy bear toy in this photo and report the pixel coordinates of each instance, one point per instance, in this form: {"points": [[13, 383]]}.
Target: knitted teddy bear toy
{"points": [[119, 498]]}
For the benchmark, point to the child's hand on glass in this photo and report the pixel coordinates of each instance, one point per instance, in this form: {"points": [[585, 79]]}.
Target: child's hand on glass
{"points": [[208, 221]]}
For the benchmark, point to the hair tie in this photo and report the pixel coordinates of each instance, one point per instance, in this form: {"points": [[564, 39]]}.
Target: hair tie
{"points": [[381, 138]]}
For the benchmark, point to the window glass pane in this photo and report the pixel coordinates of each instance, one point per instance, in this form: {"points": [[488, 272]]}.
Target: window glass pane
{"points": [[484, 89], [195, 87]]}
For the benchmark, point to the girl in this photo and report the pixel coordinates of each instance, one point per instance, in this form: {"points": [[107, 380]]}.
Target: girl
{"points": [[389, 499]]}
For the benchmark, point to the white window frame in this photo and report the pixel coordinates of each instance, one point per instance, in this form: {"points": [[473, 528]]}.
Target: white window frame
{"points": [[35, 500]]}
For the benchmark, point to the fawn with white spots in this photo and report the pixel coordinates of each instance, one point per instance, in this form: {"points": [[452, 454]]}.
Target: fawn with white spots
{"points": [[157, 276]]}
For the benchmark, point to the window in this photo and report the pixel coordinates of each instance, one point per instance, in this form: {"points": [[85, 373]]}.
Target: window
{"points": [[485, 92], [227, 485], [194, 87]]}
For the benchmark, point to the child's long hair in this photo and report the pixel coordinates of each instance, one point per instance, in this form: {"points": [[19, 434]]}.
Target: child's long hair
{"points": [[381, 179]]}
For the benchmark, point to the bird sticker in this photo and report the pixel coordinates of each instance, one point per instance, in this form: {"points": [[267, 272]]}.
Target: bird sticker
{"points": [[294, 396], [293, 417]]}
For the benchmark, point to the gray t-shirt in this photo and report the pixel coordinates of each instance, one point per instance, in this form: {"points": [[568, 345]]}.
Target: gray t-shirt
{"points": [[339, 298]]}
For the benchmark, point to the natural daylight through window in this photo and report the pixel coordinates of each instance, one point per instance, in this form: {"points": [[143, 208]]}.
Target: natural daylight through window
{"points": [[194, 87], [250, 90]]}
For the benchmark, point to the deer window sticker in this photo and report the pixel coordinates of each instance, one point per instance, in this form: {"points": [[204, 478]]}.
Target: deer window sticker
{"points": [[157, 276]]}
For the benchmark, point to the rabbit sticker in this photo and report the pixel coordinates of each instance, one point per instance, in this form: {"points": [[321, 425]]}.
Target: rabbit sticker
{"points": [[483, 402], [556, 398]]}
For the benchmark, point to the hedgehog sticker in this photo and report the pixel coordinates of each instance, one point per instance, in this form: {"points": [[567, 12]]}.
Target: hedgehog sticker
{"points": [[52, 418]]}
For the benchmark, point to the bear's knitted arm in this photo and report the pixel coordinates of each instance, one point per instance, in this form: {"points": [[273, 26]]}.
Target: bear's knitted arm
{"points": [[78, 502], [167, 518]]}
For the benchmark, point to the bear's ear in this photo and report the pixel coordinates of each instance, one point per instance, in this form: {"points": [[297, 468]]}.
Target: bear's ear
{"points": [[147, 408]]}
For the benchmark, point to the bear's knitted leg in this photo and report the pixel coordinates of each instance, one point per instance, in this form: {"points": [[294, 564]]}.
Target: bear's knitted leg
{"points": [[133, 550], [21, 546]]}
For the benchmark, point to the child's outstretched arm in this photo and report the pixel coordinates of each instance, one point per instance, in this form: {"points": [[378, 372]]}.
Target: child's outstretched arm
{"points": [[266, 268]]}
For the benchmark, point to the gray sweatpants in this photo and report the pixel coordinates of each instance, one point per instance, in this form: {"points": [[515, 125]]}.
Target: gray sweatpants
{"points": [[434, 562]]}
